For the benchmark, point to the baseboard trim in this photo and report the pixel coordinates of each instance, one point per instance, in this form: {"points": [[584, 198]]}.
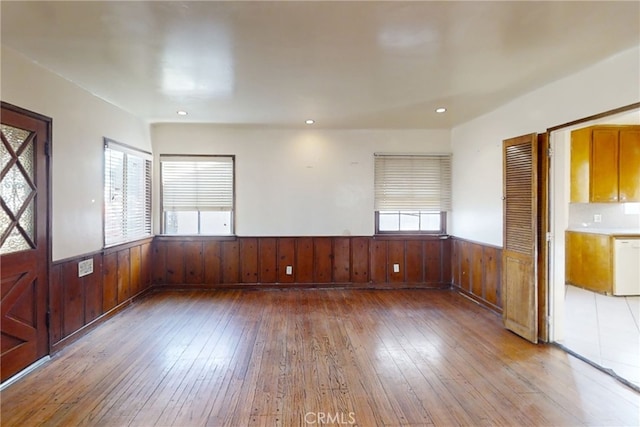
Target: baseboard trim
{"points": [[24, 372]]}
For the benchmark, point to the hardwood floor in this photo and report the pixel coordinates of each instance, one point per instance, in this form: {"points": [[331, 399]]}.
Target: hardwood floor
{"points": [[313, 357]]}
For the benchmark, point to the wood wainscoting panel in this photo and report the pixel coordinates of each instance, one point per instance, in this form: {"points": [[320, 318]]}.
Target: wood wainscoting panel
{"points": [[303, 266], [424, 261], [322, 260], [212, 262], [342, 260], [119, 274], [268, 260], [477, 271], [360, 260], [194, 262], [94, 290], [249, 260]]}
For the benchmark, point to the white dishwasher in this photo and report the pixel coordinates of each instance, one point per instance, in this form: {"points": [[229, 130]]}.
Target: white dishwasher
{"points": [[626, 267]]}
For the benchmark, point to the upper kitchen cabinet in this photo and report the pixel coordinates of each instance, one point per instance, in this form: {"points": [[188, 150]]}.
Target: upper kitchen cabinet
{"points": [[605, 164]]}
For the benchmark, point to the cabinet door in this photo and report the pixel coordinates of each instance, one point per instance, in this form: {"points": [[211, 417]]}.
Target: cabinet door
{"points": [[580, 160], [629, 165], [604, 166]]}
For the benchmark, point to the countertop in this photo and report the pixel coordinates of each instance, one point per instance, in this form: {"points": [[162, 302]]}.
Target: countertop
{"points": [[614, 232]]}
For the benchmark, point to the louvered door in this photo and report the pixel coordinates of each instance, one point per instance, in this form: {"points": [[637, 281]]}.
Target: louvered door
{"points": [[24, 239], [519, 262]]}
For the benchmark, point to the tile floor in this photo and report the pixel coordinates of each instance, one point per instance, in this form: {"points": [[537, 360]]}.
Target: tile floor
{"points": [[604, 329]]}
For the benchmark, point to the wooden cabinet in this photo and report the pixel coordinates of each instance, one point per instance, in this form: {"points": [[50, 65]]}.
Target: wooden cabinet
{"points": [[605, 164], [588, 261]]}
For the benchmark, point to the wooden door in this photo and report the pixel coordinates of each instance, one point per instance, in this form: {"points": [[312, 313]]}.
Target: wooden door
{"points": [[519, 259], [24, 239], [629, 150]]}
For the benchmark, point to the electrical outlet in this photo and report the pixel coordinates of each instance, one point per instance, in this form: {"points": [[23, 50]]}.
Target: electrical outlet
{"points": [[396, 268], [597, 218], [289, 270], [85, 267]]}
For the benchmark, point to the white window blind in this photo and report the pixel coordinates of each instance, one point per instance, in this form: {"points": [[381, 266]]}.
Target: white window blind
{"points": [[413, 182], [197, 183], [127, 193]]}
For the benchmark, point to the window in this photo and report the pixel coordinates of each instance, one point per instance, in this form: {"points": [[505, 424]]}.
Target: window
{"points": [[197, 194], [127, 193], [412, 193]]}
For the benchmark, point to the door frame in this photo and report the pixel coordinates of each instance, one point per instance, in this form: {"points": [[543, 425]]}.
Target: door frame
{"points": [[49, 209], [558, 218]]}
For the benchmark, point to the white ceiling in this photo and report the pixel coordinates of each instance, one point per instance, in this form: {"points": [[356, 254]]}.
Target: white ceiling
{"points": [[345, 64]]}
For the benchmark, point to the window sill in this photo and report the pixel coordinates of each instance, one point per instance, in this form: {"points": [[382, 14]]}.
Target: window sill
{"points": [[411, 236], [194, 237]]}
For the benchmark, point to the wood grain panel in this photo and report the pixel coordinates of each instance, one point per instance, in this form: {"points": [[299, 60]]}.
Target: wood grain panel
{"points": [[629, 167], [477, 270], [92, 285], [379, 261], [175, 263], [286, 256], [268, 260], [492, 276], [465, 266], [360, 262], [72, 300], [135, 285], [145, 265], [249, 259], [432, 261], [342, 260], [212, 262], [124, 275], [414, 270], [303, 268], [455, 262], [56, 303], [110, 281], [395, 255], [445, 261], [604, 166], [159, 264], [194, 262], [231, 262], [322, 259]]}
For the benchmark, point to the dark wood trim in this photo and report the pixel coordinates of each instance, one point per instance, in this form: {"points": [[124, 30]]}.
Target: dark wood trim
{"points": [[595, 117], [127, 245]]}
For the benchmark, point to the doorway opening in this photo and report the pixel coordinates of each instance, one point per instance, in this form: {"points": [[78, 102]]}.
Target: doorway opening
{"points": [[591, 322]]}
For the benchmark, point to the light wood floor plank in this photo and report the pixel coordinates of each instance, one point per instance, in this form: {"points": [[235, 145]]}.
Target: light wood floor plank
{"points": [[296, 357]]}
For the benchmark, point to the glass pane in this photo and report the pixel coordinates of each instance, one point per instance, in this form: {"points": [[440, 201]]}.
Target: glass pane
{"points": [[181, 222], [14, 189], [15, 242], [27, 220], [15, 136], [430, 221], [409, 221], [26, 159], [5, 222], [5, 157], [388, 221], [215, 222]]}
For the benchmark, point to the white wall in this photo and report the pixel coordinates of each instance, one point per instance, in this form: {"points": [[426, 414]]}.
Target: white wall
{"points": [[477, 145], [80, 121], [309, 182]]}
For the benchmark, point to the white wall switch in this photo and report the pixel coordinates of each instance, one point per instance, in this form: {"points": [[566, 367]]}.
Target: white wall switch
{"points": [[396, 268], [289, 270], [85, 267], [597, 218]]}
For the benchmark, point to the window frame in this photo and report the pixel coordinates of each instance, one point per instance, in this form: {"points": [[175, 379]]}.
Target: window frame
{"points": [[127, 150], [443, 212], [232, 225]]}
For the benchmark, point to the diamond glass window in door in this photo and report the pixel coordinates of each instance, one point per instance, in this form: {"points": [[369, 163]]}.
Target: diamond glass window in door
{"points": [[17, 190]]}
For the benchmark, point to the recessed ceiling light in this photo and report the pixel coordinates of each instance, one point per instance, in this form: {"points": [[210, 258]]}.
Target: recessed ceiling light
{"points": [[440, 110], [181, 113], [309, 121]]}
